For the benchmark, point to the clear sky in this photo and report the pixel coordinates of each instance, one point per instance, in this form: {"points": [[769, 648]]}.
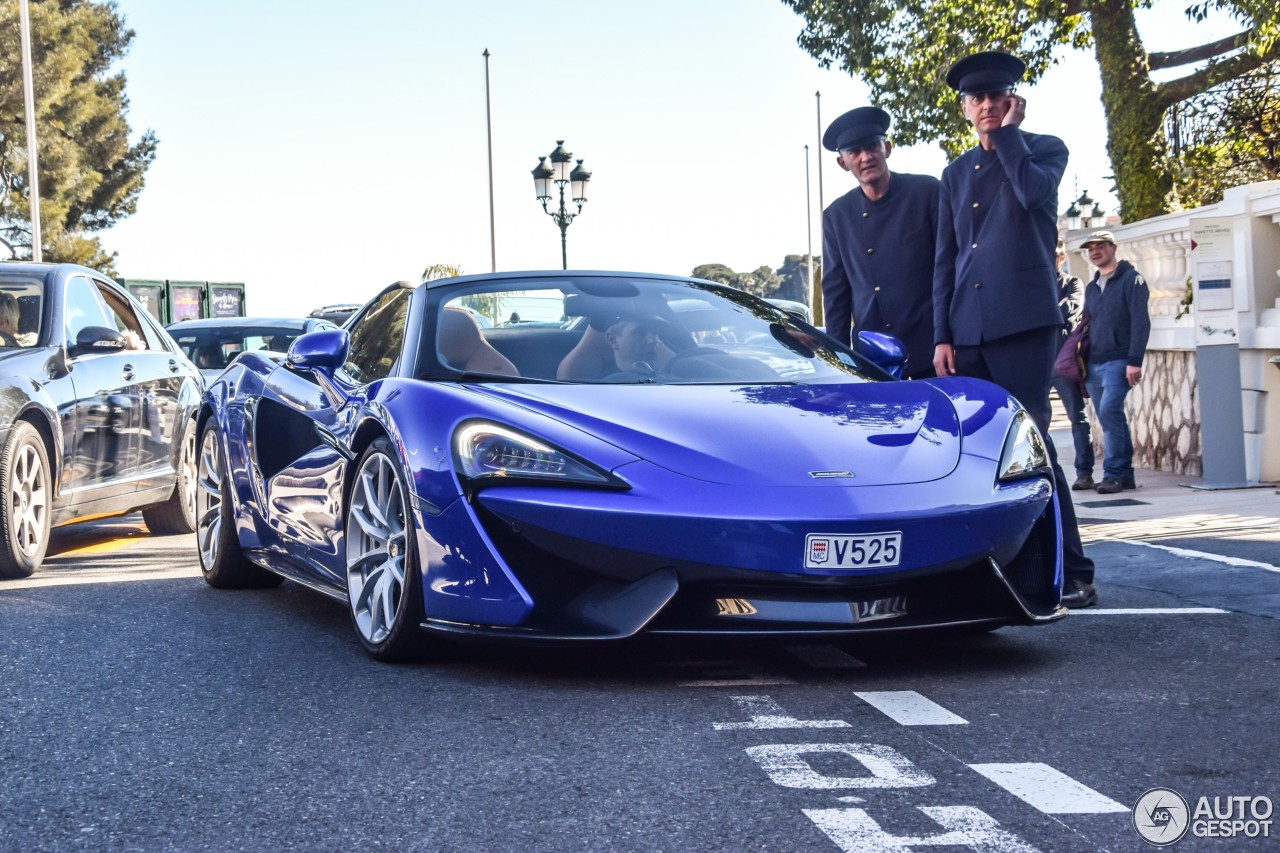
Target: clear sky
{"points": [[320, 150]]}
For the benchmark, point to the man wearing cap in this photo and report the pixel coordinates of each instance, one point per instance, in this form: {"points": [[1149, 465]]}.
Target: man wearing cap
{"points": [[995, 295], [1119, 325], [878, 242]]}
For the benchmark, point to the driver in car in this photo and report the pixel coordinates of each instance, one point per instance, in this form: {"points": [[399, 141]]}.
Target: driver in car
{"points": [[651, 348], [637, 345]]}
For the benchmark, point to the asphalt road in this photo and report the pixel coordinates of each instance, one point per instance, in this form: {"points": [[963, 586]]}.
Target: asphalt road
{"points": [[141, 710]]}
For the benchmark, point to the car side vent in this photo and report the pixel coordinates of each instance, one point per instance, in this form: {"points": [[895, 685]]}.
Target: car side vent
{"points": [[281, 436], [1031, 571]]}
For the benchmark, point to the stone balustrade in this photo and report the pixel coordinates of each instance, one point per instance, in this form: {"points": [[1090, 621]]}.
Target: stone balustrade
{"points": [[1163, 409]]}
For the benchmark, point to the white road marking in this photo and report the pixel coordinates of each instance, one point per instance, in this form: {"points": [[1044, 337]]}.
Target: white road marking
{"points": [[84, 578], [768, 714], [1147, 611], [760, 681], [854, 831], [1201, 555], [826, 657], [786, 766], [910, 708], [1048, 790]]}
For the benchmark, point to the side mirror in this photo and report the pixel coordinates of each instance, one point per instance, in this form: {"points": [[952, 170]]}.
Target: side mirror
{"points": [[92, 339], [885, 351], [324, 351]]}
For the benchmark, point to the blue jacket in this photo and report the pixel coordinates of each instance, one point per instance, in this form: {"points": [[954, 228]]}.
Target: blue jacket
{"points": [[994, 272], [877, 265], [1119, 324]]}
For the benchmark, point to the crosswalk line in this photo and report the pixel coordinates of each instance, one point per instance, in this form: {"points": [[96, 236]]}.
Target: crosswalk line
{"points": [[1047, 789], [910, 708], [826, 657]]}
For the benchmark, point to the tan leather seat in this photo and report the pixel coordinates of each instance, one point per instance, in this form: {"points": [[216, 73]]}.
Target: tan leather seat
{"points": [[590, 359], [464, 348]]}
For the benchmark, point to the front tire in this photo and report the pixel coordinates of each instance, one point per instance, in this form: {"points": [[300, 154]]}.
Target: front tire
{"points": [[222, 561], [24, 507], [384, 585], [178, 513]]}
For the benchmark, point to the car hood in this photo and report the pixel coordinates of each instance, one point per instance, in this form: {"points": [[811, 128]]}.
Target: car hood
{"points": [[854, 434]]}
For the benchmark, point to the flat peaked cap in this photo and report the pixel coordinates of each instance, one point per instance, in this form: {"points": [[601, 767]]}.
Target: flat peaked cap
{"points": [[983, 72], [1099, 237], [856, 128]]}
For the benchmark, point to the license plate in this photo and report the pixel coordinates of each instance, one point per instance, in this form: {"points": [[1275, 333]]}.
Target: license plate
{"points": [[861, 551]]}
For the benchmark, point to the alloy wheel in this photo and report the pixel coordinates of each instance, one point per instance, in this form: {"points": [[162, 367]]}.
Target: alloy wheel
{"points": [[376, 547], [207, 487], [29, 485], [187, 472]]}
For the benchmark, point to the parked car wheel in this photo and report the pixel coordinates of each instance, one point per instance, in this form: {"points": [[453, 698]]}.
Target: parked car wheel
{"points": [[222, 562], [24, 523], [178, 513], [383, 581]]}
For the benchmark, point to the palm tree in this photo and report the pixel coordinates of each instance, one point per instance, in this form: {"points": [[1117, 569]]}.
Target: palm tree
{"points": [[436, 271]]}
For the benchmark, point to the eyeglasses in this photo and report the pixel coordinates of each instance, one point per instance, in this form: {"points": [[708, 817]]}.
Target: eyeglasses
{"points": [[994, 96]]}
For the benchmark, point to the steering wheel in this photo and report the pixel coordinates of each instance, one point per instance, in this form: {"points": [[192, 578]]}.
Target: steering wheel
{"points": [[691, 352]]}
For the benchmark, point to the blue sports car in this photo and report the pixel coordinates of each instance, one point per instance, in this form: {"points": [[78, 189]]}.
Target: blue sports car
{"points": [[595, 455]]}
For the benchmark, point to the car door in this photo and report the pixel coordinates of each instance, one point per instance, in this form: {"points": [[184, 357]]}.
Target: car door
{"points": [[100, 420], [304, 489], [156, 379]]}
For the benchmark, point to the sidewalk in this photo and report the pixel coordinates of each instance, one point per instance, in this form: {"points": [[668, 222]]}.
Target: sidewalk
{"points": [[1165, 506]]}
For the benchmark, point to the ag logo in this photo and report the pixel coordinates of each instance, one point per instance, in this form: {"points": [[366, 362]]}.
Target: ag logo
{"points": [[1161, 816]]}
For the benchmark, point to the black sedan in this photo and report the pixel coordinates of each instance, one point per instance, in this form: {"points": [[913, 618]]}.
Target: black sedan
{"points": [[213, 342], [97, 409]]}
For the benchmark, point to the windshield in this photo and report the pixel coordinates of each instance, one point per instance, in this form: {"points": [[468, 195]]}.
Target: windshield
{"points": [[214, 348], [615, 329]]}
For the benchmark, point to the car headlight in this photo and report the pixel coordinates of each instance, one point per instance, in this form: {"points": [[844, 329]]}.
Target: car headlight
{"points": [[486, 451], [1025, 454]]}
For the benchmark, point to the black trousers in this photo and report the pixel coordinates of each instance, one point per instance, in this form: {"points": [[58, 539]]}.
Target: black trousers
{"points": [[1022, 364]]}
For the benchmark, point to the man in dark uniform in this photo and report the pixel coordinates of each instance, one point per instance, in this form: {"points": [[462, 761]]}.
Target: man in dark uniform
{"points": [[995, 294], [878, 242]]}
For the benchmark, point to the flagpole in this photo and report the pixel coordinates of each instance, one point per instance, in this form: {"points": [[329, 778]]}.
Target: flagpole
{"points": [[821, 206], [808, 224], [817, 296], [488, 119]]}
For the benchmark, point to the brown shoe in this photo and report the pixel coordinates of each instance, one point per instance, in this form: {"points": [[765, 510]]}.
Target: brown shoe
{"points": [[1083, 483]]}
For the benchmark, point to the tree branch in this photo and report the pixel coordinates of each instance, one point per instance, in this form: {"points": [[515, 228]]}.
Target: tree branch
{"points": [[1175, 91], [1174, 58]]}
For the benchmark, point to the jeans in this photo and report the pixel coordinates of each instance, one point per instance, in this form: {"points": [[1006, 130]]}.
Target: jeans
{"points": [[1072, 398], [1108, 387]]}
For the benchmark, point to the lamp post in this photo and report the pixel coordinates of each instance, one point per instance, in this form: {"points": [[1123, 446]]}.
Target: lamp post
{"points": [[558, 172], [1073, 216], [1086, 215], [29, 100]]}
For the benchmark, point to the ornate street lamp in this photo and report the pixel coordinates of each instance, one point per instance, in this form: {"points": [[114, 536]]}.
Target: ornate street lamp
{"points": [[1073, 217], [1099, 215], [1086, 215], [562, 174]]}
